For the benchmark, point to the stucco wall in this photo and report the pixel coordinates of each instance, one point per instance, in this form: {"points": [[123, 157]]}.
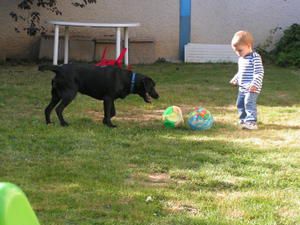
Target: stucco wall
{"points": [[14, 45], [215, 22], [159, 21], [212, 22]]}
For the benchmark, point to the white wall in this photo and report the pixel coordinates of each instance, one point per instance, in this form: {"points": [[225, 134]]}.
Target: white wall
{"points": [[215, 22], [159, 21], [14, 44]]}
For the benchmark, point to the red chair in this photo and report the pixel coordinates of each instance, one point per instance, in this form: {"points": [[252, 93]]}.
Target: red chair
{"points": [[110, 62]]}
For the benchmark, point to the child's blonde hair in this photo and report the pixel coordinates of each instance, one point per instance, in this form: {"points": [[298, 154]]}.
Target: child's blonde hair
{"points": [[242, 38]]}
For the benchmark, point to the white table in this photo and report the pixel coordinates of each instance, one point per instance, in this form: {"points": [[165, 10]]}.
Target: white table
{"points": [[67, 24]]}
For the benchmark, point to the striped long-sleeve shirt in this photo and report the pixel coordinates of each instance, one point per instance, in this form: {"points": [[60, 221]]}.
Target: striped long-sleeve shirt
{"points": [[250, 72]]}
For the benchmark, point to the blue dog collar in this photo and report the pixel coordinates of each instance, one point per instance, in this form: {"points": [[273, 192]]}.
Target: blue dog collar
{"points": [[132, 82]]}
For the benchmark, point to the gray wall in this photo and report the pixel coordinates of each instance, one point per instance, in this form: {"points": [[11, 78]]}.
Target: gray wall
{"points": [[212, 22], [215, 22], [159, 21], [14, 45]]}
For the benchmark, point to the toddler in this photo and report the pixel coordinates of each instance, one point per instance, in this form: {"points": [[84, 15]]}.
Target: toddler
{"points": [[249, 79]]}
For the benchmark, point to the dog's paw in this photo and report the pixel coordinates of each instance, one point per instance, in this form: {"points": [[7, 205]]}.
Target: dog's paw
{"points": [[108, 123], [64, 124]]}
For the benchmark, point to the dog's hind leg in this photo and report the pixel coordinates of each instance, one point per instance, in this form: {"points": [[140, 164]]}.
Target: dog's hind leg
{"points": [[66, 100], [113, 110], [54, 101], [109, 108]]}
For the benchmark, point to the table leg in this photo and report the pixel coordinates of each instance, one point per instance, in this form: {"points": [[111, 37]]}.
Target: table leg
{"points": [[56, 39], [118, 41], [126, 45], [66, 53]]}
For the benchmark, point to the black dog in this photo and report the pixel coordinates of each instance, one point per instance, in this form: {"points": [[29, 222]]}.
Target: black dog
{"points": [[103, 83]]}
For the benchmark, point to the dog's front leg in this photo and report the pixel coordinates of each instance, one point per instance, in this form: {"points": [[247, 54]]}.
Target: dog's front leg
{"points": [[108, 103]]}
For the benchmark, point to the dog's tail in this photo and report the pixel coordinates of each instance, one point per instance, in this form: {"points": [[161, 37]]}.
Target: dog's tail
{"points": [[45, 67]]}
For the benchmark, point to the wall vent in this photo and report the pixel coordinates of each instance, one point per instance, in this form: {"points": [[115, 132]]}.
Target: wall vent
{"points": [[204, 53]]}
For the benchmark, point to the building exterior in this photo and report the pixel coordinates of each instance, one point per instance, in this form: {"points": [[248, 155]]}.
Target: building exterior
{"points": [[162, 25]]}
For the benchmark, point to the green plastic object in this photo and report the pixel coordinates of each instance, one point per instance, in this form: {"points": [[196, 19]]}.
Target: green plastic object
{"points": [[15, 208], [172, 117]]}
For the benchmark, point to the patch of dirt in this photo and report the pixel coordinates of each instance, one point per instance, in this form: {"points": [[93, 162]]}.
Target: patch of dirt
{"points": [[159, 178], [180, 179], [235, 214], [155, 179], [139, 117], [97, 116], [178, 207], [142, 116], [282, 95], [131, 165], [288, 213]]}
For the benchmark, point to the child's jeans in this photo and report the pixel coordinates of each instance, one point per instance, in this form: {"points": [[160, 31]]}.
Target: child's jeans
{"points": [[246, 105]]}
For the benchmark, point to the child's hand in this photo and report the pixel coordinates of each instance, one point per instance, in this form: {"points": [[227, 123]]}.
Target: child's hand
{"points": [[233, 82], [253, 88]]}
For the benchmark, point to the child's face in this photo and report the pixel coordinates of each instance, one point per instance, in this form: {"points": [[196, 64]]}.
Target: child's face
{"points": [[242, 49]]}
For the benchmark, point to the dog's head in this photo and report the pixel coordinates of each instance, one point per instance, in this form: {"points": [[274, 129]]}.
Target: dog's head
{"points": [[146, 89]]}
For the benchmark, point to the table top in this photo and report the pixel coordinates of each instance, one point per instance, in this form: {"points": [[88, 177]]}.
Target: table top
{"points": [[89, 24]]}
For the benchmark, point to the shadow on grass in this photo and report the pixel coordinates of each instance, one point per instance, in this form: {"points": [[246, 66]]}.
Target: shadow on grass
{"points": [[88, 159], [265, 126], [99, 161]]}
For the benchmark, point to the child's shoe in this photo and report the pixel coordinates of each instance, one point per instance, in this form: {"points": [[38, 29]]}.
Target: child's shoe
{"points": [[241, 122], [249, 126]]}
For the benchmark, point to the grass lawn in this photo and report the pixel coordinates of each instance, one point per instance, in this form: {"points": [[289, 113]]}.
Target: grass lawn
{"points": [[142, 173]]}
